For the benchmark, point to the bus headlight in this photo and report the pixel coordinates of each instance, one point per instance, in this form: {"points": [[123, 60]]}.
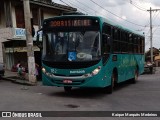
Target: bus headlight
{"points": [[96, 71], [43, 70]]}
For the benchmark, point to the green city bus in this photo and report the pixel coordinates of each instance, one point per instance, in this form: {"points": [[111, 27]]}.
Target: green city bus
{"points": [[89, 51]]}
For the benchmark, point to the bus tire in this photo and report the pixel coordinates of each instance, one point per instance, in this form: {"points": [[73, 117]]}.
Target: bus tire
{"points": [[134, 80], [109, 89], [67, 88]]}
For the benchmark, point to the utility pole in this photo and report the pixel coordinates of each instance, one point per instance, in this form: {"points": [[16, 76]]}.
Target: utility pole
{"points": [[151, 35], [29, 42]]}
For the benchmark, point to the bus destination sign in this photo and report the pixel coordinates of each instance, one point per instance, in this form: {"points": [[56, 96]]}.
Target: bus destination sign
{"points": [[71, 23]]}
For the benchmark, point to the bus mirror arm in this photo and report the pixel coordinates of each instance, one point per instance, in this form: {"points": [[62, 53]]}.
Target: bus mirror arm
{"points": [[37, 38], [38, 43], [38, 35]]}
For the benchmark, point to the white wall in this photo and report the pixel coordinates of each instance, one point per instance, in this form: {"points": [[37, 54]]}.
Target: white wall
{"points": [[49, 15], [2, 21], [13, 17], [1, 53]]}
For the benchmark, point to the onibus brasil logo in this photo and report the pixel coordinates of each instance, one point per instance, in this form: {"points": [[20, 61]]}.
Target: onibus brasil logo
{"points": [[21, 114]]}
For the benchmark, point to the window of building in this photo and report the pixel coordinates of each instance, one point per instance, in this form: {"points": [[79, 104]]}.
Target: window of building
{"points": [[35, 16], [19, 17]]}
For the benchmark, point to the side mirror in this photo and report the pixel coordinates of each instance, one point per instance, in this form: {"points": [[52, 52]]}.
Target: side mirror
{"points": [[39, 39]]}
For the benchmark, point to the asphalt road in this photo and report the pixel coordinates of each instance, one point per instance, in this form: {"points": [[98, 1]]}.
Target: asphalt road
{"points": [[142, 96]]}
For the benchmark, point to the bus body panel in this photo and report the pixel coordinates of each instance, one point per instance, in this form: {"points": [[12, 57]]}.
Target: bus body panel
{"points": [[125, 64], [98, 80]]}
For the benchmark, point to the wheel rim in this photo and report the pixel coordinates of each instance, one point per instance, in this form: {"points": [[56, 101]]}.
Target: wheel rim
{"points": [[113, 80], [136, 75]]}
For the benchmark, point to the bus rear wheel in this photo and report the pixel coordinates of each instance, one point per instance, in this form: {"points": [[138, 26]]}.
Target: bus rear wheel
{"points": [[134, 80], [67, 88]]}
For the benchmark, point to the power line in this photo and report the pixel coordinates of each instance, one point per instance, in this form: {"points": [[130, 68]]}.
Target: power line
{"points": [[116, 15], [155, 30], [156, 16], [85, 5], [65, 3], [97, 11], [88, 7], [135, 5], [75, 5], [140, 8]]}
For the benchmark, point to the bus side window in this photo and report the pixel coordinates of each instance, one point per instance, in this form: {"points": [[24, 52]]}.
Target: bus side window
{"points": [[106, 47], [106, 43], [106, 38]]}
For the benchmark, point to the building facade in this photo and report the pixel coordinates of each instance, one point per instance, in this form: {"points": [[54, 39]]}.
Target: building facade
{"points": [[156, 56], [157, 60], [12, 28]]}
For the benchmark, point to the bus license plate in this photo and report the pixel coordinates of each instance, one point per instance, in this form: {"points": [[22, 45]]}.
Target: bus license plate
{"points": [[67, 81]]}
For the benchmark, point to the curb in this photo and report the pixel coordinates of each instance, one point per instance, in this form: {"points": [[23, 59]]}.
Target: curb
{"points": [[23, 82]]}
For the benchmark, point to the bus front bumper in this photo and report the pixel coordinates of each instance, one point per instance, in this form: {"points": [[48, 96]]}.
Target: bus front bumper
{"points": [[76, 81]]}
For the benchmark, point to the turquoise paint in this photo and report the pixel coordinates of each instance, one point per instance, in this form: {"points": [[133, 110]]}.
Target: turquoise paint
{"points": [[125, 64], [95, 81]]}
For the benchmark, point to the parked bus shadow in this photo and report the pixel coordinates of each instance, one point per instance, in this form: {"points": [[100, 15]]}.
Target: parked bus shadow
{"points": [[122, 85], [89, 92], [80, 93]]}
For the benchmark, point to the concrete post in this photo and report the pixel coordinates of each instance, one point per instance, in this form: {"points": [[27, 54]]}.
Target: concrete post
{"points": [[29, 42], [151, 34]]}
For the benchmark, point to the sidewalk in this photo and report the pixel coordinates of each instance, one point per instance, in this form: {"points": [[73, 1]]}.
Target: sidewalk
{"points": [[13, 77], [158, 70]]}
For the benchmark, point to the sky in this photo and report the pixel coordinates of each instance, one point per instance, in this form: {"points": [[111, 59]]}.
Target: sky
{"points": [[131, 14]]}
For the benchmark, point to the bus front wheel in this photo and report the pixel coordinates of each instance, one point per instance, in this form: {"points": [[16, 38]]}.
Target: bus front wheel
{"points": [[109, 89], [67, 88]]}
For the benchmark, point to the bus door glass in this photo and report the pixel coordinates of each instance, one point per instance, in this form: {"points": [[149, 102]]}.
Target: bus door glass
{"points": [[106, 42]]}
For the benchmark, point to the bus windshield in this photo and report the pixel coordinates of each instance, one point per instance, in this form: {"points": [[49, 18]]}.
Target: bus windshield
{"points": [[71, 46]]}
